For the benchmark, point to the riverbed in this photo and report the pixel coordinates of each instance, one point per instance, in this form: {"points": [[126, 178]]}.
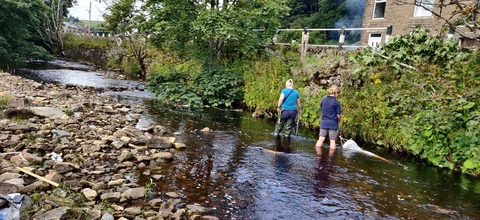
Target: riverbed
{"points": [[240, 171]]}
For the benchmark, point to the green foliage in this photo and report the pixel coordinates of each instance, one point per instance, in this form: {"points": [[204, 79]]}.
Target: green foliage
{"points": [[208, 31], [21, 23], [264, 80], [67, 111], [214, 86], [311, 113], [113, 62], [74, 41], [106, 206], [4, 100], [218, 86], [173, 87], [94, 25], [429, 110], [148, 188]]}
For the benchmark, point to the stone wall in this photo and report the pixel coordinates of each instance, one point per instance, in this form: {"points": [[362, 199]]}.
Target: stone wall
{"points": [[401, 17], [97, 56]]}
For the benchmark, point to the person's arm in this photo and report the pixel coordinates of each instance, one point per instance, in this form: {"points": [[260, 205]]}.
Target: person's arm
{"points": [[339, 112], [280, 101]]}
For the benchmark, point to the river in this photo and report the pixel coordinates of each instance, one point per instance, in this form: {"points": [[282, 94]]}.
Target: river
{"points": [[240, 171]]}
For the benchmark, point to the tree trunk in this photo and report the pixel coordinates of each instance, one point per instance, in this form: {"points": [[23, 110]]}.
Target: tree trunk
{"points": [[57, 25]]}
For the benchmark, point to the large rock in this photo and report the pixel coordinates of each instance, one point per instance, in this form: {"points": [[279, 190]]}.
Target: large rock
{"points": [[134, 193], [7, 188], [19, 102], [47, 112], [13, 112], [54, 214], [161, 142]]}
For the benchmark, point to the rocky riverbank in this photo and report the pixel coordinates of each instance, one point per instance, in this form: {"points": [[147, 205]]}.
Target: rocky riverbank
{"points": [[88, 144]]}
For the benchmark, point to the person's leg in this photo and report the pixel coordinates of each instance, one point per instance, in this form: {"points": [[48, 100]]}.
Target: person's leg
{"points": [[321, 138], [332, 145], [289, 116], [332, 135], [278, 127], [288, 127], [318, 145]]}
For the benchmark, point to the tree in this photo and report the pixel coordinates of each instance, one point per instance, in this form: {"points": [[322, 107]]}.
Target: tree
{"points": [[54, 23], [21, 25], [214, 29], [125, 20]]}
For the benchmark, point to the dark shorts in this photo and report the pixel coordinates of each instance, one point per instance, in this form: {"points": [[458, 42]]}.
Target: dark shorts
{"points": [[332, 134]]}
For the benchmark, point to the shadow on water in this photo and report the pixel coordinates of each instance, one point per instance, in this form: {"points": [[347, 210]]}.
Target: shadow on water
{"points": [[240, 171]]}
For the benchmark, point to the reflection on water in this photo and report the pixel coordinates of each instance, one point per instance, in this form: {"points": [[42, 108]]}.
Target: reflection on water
{"points": [[323, 173], [226, 170]]}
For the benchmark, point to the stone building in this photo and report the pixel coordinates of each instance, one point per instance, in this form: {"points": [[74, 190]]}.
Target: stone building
{"points": [[75, 29], [403, 16]]}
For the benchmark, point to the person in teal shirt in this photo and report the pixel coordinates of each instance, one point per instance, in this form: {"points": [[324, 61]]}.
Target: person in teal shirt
{"points": [[288, 105]]}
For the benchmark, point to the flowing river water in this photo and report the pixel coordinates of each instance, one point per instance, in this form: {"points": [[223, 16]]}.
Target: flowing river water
{"points": [[235, 172]]}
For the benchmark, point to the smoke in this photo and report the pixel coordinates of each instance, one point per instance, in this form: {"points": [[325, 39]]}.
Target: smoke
{"points": [[353, 19], [355, 10]]}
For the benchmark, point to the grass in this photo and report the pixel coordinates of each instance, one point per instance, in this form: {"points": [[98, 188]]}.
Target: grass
{"points": [[95, 25], [4, 101]]}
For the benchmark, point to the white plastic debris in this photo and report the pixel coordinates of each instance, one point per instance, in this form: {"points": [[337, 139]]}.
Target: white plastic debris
{"points": [[56, 157]]}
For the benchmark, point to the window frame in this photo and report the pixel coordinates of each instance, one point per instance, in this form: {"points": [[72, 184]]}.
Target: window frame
{"points": [[377, 2], [420, 8]]}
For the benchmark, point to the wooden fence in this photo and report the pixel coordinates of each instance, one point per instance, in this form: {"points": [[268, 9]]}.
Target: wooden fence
{"points": [[341, 41]]}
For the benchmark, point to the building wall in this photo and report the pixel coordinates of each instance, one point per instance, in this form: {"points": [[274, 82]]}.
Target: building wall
{"points": [[400, 16]]}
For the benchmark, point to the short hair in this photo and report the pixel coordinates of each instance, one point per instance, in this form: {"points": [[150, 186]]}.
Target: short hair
{"points": [[333, 89], [289, 83]]}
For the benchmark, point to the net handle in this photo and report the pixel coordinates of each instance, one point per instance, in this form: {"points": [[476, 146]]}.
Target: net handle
{"points": [[342, 140]]}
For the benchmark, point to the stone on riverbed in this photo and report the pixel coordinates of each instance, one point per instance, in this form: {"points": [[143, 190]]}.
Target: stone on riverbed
{"points": [[47, 112]]}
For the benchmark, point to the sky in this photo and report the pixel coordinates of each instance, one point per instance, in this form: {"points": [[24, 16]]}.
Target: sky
{"points": [[81, 10]]}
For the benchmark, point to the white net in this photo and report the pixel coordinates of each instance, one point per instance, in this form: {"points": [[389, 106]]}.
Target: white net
{"points": [[351, 145]]}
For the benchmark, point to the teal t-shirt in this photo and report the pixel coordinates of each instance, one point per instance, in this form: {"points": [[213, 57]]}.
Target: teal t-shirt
{"points": [[290, 102]]}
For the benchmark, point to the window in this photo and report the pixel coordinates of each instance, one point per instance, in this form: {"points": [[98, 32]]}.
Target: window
{"points": [[379, 8], [423, 8]]}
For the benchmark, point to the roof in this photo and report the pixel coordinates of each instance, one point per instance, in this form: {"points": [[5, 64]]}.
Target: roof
{"points": [[74, 26]]}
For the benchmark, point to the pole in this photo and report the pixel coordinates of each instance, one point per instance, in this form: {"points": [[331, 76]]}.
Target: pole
{"points": [[341, 40], [90, 17], [298, 122], [388, 33], [37, 176]]}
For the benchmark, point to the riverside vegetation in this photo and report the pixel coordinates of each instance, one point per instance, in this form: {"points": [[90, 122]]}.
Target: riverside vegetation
{"points": [[417, 94]]}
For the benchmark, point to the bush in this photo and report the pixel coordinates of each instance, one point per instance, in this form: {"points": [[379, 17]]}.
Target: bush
{"points": [[414, 99], [214, 86]]}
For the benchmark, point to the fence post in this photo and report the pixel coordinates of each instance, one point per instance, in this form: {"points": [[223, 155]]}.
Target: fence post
{"points": [[341, 40], [304, 49], [451, 33], [389, 33]]}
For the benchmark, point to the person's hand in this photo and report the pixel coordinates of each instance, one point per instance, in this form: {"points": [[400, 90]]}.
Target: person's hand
{"points": [[279, 110]]}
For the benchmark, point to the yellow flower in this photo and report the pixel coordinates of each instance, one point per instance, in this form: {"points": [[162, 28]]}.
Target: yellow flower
{"points": [[378, 81]]}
